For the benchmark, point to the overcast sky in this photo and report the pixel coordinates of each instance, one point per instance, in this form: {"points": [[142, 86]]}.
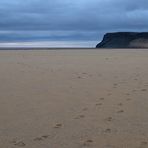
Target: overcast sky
{"points": [[69, 20]]}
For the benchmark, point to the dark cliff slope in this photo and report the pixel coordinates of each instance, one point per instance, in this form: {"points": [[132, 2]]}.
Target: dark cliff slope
{"points": [[124, 40]]}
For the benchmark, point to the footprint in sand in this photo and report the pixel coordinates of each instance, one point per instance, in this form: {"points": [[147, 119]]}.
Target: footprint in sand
{"points": [[134, 90], [98, 104], [45, 136], [58, 125], [88, 142], [85, 109], [109, 94], [127, 94], [115, 85], [143, 144], [41, 138], [120, 111], [128, 99], [79, 77], [38, 139], [120, 104], [108, 130], [18, 143], [143, 89], [101, 98], [109, 119], [80, 117]]}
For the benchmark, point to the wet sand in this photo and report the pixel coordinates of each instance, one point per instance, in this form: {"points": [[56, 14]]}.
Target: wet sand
{"points": [[74, 99]]}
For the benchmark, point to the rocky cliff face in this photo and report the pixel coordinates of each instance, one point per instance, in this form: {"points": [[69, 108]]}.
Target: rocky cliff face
{"points": [[124, 40]]}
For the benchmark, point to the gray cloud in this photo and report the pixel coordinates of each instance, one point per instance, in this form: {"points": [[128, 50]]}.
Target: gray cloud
{"points": [[70, 20]]}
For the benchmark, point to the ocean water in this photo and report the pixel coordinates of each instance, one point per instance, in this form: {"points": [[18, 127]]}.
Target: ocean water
{"points": [[50, 44]]}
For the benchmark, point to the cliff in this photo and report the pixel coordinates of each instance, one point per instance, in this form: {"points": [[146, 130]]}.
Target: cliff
{"points": [[124, 40]]}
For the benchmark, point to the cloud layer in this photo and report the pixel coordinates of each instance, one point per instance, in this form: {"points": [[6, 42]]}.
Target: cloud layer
{"points": [[69, 20]]}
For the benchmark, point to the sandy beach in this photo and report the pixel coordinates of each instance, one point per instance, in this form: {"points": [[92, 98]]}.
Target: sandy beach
{"points": [[74, 98]]}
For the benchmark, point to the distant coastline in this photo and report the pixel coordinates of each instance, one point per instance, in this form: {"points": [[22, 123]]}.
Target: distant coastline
{"points": [[124, 40]]}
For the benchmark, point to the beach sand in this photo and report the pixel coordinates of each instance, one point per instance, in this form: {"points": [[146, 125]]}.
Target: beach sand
{"points": [[74, 98]]}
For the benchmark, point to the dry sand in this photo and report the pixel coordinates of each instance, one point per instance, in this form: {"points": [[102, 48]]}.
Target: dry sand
{"points": [[74, 99]]}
